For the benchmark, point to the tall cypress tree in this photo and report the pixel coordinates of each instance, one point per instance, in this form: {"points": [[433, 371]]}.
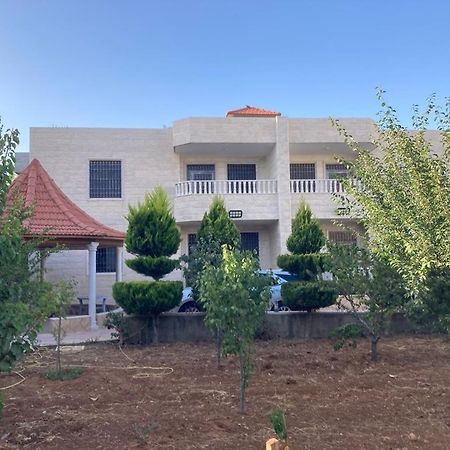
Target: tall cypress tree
{"points": [[306, 262], [153, 237]]}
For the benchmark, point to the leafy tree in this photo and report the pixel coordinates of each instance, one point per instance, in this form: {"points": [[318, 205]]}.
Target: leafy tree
{"points": [[305, 260], [153, 236], [235, 299], [216, 230], [400, 192], [368, 288], [9, 139], [25, 300]]}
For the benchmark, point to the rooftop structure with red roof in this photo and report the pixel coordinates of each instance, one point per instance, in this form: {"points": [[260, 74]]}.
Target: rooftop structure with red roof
{"points": [[252, 111], [55, 215]]}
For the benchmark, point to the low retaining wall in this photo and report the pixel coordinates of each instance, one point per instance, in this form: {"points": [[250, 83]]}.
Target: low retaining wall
{"points": [[176, 327], [72, 324]]}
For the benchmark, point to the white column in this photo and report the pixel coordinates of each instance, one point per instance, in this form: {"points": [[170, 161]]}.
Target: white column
{"points": [[92, 248], [119, 258]]}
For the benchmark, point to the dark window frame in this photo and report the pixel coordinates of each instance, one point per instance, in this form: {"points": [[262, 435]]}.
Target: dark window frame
{"points": [[105, 179], [106, 260], [248, 238], [302, 171]]}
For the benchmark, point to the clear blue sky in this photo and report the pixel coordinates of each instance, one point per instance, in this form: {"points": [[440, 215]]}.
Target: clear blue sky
{"points": [[130, 63]]}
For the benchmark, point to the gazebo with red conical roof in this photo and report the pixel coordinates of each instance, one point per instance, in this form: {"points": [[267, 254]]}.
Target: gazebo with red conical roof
{"points": [[55, 216]]}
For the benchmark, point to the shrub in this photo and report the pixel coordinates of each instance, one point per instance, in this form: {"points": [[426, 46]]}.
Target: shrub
{"points": [[305, 266], [216, 230], [306, 236], [156, 267], [308, 295], [145, 298], [305, 242], [153, 236]]}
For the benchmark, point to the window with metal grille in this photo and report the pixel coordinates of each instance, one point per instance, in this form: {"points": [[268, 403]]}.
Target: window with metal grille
{"points": [[250, 242], [334, 171], [342, 237], [106, 259], [201, 172], [303, 171], [241, 171], [192, 241], [105, 179]]}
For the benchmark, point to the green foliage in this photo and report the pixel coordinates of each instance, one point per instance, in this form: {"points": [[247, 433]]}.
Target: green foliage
{"points": [[154, 236], [305, 266], [63, 293], [216, 230], [305, 242], [216, 224], [146, 298], [366, 283], [206, 252], [279, 424], [116, 321], [306, 236], [235, 300], [69, 373], [153, 233], [308, 295], [155, 267], [25, 301], [8, 143], [346, 333], [401, 191], [431, 310]]}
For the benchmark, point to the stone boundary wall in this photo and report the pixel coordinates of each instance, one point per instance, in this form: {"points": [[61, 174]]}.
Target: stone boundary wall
{"points": [[177, 327]]}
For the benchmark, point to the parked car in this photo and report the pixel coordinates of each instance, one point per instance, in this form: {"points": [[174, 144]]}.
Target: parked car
{"points": [[189, 305]]}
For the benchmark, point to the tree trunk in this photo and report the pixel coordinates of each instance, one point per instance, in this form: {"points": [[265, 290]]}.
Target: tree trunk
{"points": [[373, 348], [219, 347], [242, 382], [58, 346], [155, 329]]}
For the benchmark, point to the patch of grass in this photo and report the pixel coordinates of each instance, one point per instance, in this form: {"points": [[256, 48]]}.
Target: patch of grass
{"points": [[70, 373]]}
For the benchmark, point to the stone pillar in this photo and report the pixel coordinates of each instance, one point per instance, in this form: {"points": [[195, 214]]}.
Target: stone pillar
{"points": [[92, 248], [119, 259], [283, 177]]}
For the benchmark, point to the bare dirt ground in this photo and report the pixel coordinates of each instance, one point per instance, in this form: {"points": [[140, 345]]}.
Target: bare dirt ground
{"points": [[333, 400]]}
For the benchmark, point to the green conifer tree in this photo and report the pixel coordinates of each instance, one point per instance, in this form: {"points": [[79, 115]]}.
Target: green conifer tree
{"points": [[307, 263], [153, 237]]}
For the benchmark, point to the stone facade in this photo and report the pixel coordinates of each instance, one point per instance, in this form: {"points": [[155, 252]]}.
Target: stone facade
{"points": [[151, 157]]}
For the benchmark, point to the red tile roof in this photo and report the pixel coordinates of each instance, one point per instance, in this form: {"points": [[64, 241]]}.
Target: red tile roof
{"points": [[54, 214], [252, 111]]}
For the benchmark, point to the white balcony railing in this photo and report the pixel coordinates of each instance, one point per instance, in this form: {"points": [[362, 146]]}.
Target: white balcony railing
{"points": [[316, 186], [223, 187]]}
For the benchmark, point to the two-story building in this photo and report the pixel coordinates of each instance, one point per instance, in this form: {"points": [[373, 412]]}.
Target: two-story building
{"points": [[260, 162]]}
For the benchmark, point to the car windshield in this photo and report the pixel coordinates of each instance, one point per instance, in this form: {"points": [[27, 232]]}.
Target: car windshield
{"points": [[288, 277]]}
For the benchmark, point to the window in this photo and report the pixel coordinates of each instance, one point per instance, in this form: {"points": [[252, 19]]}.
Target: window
{"points": [[303, 171], [241, 171], [334, 171], [201, 172], [342, 237], [250, 242], [192, 241], [106, 259], [105, 179]]}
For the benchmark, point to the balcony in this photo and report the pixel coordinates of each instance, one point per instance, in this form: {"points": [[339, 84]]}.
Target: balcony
{"points": [[317, 193], [225, 187], [255, 198], [316, 186]]}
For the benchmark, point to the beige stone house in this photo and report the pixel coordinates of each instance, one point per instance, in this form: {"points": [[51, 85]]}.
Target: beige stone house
{"points": [[261, 162]]}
